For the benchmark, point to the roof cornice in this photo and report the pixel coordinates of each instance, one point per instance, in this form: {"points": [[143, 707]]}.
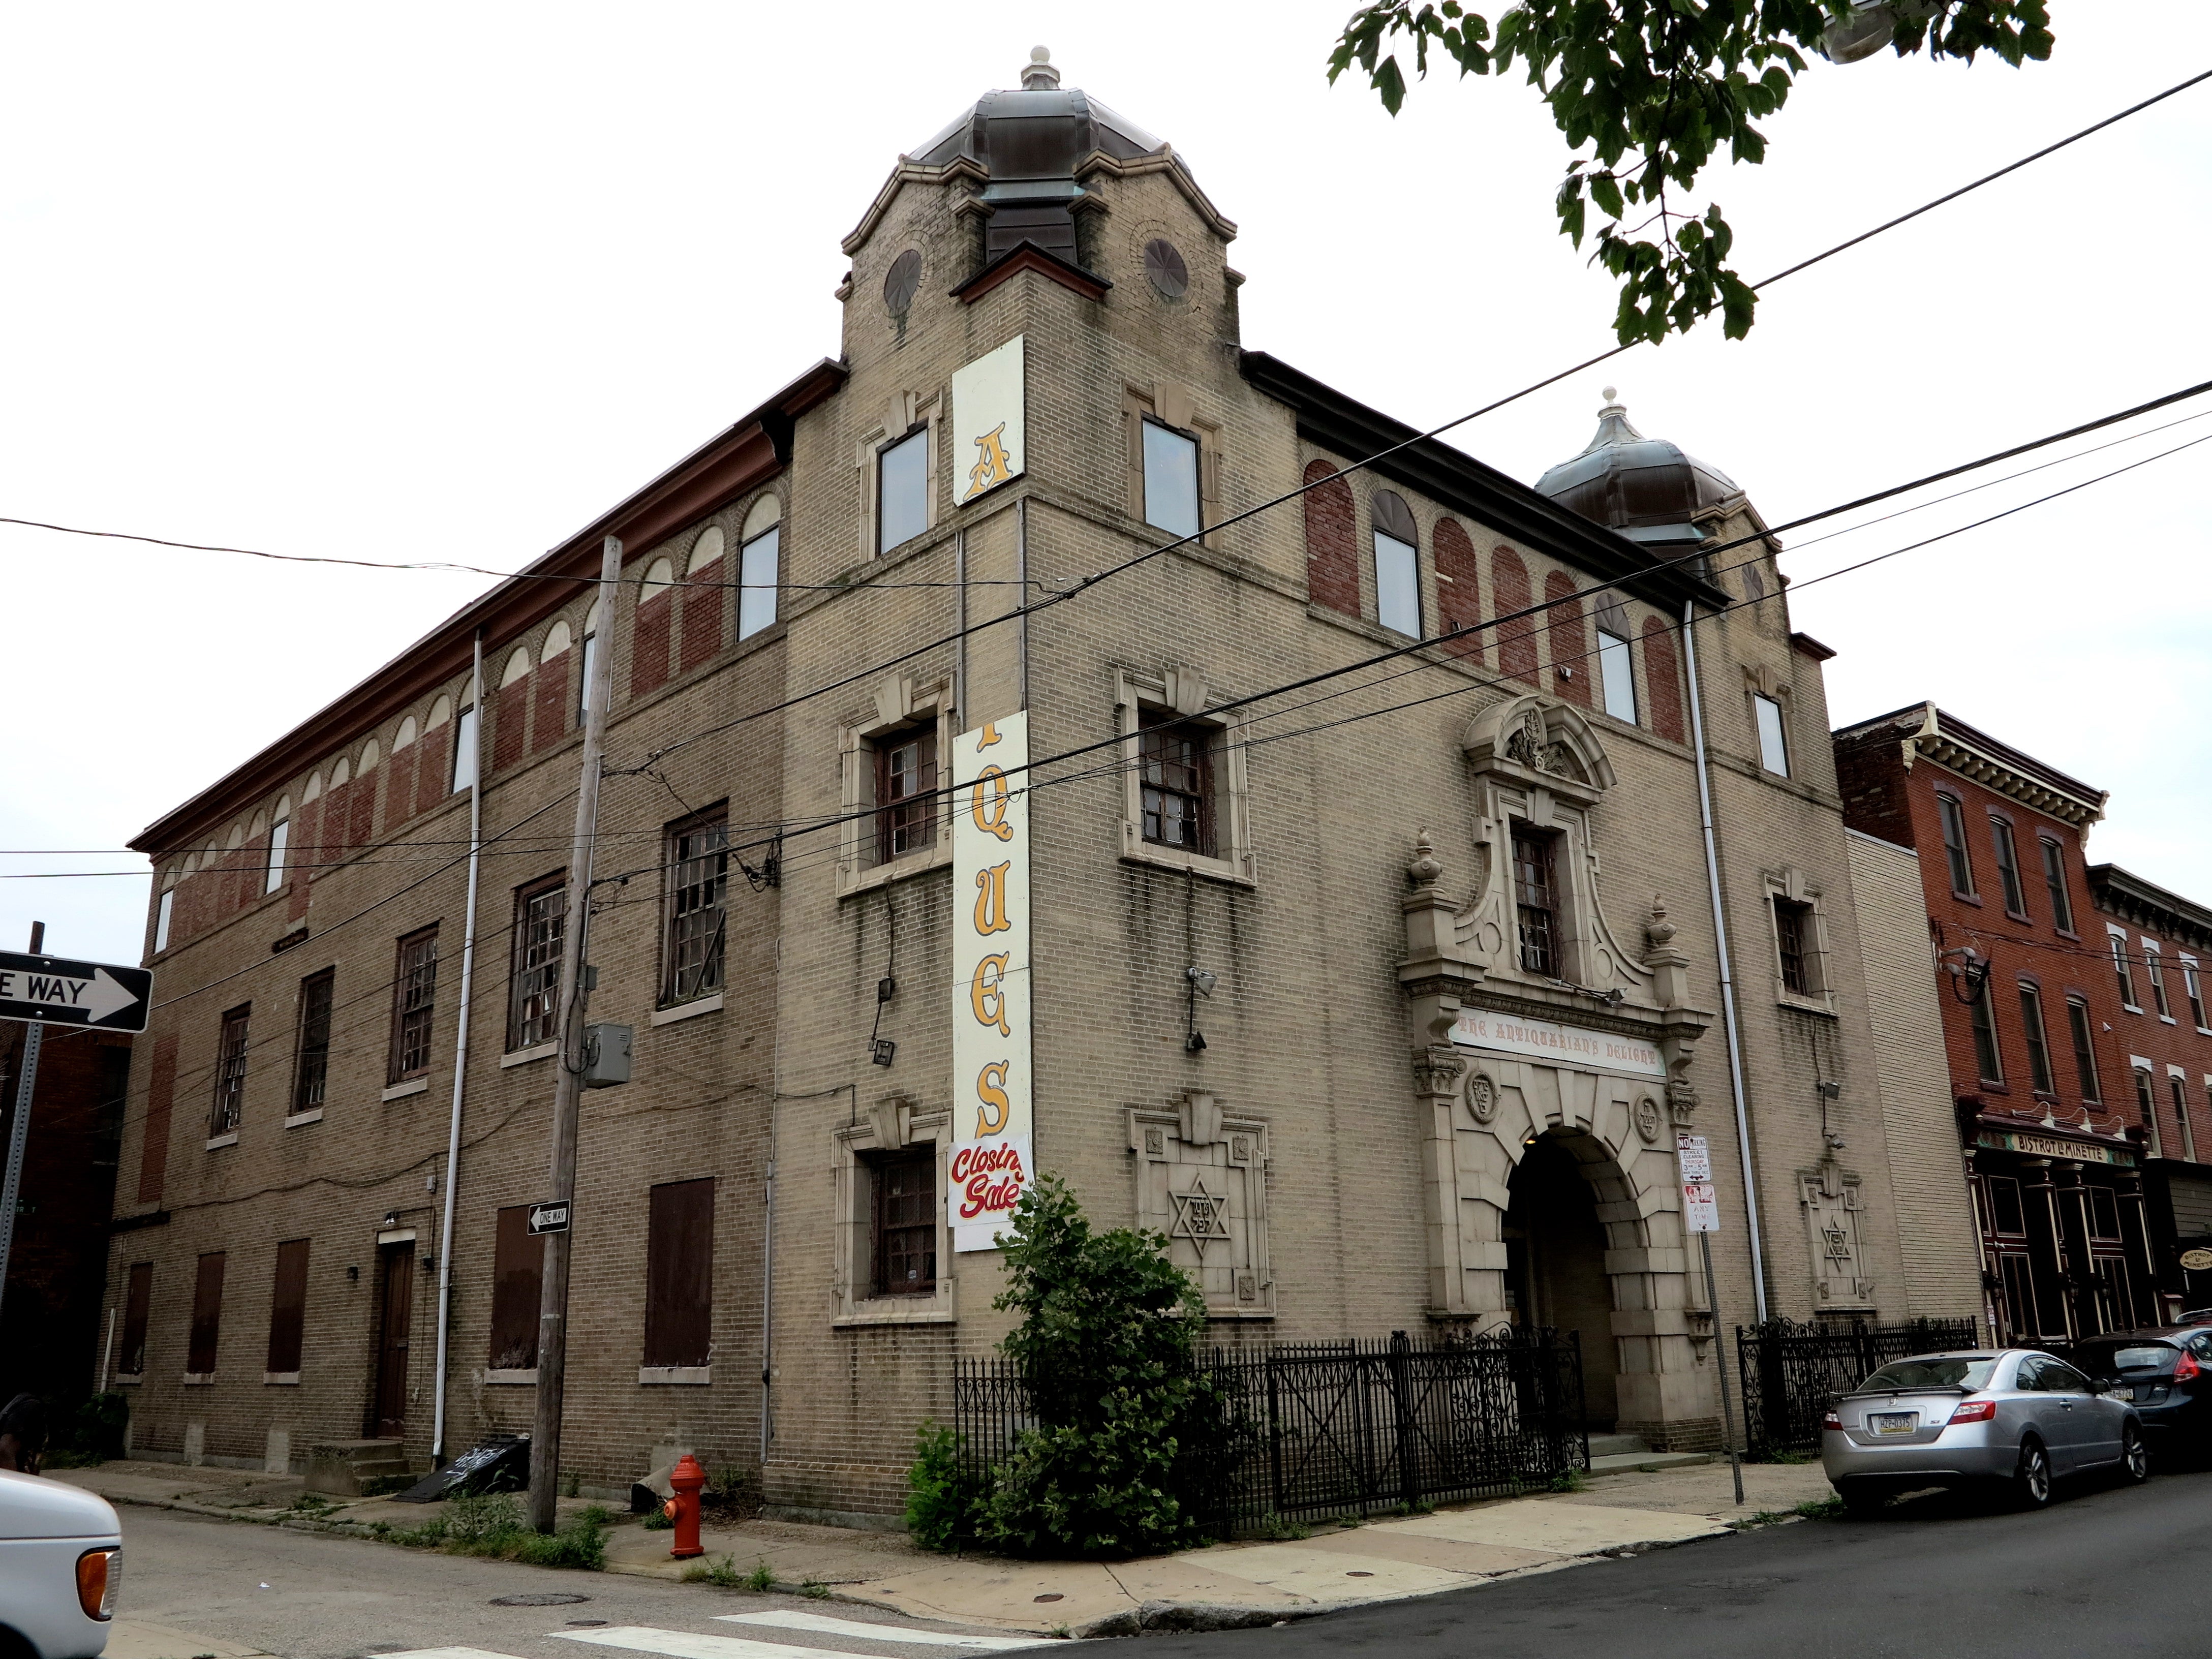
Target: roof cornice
{"points": [[2128, 896], [1997, 767], [739, 458], [1453, 478]]}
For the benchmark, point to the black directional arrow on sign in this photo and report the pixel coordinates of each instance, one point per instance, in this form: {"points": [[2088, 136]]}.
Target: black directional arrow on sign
{"points": [[57, 991]]}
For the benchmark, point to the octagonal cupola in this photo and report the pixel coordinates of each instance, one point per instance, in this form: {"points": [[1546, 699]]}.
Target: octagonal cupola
{"points": [[1648, 488]]}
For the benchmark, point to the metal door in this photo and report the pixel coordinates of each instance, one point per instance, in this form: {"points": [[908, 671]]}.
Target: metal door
{"points": [[395, 1313]]}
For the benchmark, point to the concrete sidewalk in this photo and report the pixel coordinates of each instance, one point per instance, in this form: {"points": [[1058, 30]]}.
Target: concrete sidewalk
{"points": [[1338, 1563]]}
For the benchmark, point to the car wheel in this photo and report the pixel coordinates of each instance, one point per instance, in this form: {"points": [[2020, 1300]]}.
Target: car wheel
{"points": [[2031, 1481], [1863, 1501], [2134, 1455]]}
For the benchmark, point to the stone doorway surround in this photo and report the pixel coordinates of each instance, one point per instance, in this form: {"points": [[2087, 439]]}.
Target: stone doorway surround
{"points": [[1615, 1087]]}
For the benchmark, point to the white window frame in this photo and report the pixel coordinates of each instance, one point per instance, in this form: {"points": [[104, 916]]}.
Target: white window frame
{"points": [[1790, 882], [2192, 987], [164, 911], [2178, 1074], [466, 730], [1614, 651], [2154, 955], [2138, 1067], [1376, 539], [1779, 747], [2117, 937], [1183, 692], [280, 839]]}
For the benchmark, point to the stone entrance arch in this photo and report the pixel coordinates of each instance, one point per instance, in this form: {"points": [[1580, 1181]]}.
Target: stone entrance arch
{"points": [[1556, 1251]]}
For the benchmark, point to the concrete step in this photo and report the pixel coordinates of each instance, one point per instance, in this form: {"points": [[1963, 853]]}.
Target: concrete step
{"points": [[348, 1468], [1615, 1462], [1614, 1445]]}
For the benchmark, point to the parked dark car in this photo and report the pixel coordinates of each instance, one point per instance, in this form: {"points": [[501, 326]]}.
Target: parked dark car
{"points": [[2166, 1374]]}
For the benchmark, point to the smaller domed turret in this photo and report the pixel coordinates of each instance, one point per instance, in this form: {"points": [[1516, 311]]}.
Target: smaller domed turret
{"points": [[1646, 488]]}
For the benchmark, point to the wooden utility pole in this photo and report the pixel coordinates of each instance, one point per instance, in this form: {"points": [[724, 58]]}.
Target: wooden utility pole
{"points": [[568, 1082]]}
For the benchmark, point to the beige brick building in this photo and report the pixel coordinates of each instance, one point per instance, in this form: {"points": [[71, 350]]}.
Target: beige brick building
{"points": [[1451, 911]]}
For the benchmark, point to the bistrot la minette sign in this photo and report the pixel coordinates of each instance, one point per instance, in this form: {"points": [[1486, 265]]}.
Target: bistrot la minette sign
{"points": [[991, 1162]]}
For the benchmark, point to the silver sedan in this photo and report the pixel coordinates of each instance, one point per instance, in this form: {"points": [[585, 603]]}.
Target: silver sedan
{"points": [[2013, 1417]]}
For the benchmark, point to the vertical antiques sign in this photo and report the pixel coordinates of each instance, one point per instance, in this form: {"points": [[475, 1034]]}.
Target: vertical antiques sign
{"points": [[991, 1161], [989, 443]]}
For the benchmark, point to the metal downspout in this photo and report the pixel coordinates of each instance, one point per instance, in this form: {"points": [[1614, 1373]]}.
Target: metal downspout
{"points": [[461, 1038], [1728, 977]]}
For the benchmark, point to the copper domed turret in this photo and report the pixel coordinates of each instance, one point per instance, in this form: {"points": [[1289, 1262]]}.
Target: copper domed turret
{"points": [[1646, 488]]}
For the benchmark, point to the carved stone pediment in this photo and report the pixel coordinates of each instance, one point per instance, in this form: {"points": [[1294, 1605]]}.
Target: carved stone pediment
{"points": [[1536, 743]]}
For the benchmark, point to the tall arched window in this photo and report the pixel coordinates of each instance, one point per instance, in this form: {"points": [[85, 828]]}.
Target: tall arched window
{"points": [[1661, 683], [1331, 557], [759, 558], [1570, 660], [1516, 640], [703, 599], [1459, 589], [648, 653], [1397, 563]]}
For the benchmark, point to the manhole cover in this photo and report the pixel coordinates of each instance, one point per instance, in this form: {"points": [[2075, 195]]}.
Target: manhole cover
{"points": [[540, 1599]]}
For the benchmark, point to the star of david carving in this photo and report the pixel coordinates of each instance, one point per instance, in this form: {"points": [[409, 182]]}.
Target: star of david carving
{"points": [[1200, 1216], [1839, 1243]]}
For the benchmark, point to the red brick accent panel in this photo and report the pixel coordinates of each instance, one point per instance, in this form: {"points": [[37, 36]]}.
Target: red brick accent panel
{"points": [[399, 797], [1570, 658], [1332, 542], [432, 765], [1516, 640], [1458, 587], [549, 715], [702, 617], [360, 810], [508, 733], [161, 1094], [648, 661], [1662, 681]]}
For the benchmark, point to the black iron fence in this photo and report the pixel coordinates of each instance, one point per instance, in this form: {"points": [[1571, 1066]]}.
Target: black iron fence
{"points": [[1792, 1373], [1346, 1428]]}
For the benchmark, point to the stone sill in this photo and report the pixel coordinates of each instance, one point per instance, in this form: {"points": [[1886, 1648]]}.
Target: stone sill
{"points": [[302, 1120], [121, 1381], [511, 1376], [926, 1310], [217, 1142], [938, 856], [525, 1056], [199, 1379], [1824, 1007], [281, 1379], [712, 1004], [401, 1090], [1137, 851], [683, 1376]]}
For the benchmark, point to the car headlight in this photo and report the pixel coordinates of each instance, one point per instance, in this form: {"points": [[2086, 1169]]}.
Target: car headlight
{"points": [[97, 1572]]}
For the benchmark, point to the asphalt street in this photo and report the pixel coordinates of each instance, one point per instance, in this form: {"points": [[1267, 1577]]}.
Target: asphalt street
{"points": [[2108, 1569]]}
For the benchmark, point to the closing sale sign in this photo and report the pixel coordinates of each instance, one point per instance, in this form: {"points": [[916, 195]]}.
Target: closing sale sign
{"points": [[56, 991]]}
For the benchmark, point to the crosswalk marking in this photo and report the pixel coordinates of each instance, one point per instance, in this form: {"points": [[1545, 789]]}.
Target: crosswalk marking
{"points": [[444, 1653], [682, 1644], [825, 1624]]}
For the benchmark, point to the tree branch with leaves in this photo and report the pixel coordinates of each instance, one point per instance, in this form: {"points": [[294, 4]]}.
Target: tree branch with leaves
{"points": [[1647, 92]]}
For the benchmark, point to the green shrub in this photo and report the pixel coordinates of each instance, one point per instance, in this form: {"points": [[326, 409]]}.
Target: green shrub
{"points": [[485, 1520], [760, 1579], [1128, 1432], [582, 1543]]}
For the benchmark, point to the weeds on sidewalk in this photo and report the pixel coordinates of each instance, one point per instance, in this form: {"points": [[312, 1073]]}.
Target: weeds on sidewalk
{"points": [[1818, 1509], [493, 1526], [1568, 1480], [657, 1519], [724, 1575], [310, 1506], [815, 1589], [1279, 1529]]}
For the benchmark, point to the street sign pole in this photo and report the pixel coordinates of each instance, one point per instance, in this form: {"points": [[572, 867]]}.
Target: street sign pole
{"points": [[1720, 1358], [1701, 1214], [569, 1081], [19, 1131]]}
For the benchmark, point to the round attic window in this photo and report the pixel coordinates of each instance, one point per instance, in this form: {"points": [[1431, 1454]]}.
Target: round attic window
{"points": [[901, 282], [1163, 265]]}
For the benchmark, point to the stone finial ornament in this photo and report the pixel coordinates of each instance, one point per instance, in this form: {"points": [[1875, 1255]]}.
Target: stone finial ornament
{"points": [[1038, 75], [1426, 868], [1659, 930]]}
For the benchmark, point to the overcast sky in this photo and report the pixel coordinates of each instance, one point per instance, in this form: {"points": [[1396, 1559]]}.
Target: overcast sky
{"points": [[415, 282]]}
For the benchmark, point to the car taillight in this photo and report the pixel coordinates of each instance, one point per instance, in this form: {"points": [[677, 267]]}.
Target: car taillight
{"points": [[2186, 1370], [1975, 1411], [97, 1574], [1831, 1421]]}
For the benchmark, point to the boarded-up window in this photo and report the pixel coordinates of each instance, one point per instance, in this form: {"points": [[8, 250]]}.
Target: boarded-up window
{"points": [[679, 1274], [207, 1316], [1332, 556], [518, 1261], [161, 1093], [287, 1308], [1458, 587], [137, 1303], [1516, 640]]}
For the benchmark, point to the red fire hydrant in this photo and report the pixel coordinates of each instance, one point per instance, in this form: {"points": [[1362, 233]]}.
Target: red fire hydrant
{"points": [[689, 1480]]}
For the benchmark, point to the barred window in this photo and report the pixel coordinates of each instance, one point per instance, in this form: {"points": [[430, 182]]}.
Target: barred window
{"points": [[906, 792], [230, 1073], [1535, 890], [533, 983], [311, 1065], [905, 1223], [1792, 927], [698, 878], [1176, 780], [414, 1005]]}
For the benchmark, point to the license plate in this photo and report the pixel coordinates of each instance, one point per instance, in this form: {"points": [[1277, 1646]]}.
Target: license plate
{"points": [[2121, 1394], [1893, 1422]]}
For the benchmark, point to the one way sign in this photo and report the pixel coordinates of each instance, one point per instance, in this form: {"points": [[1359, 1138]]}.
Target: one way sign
{"points": [[58, 991]]}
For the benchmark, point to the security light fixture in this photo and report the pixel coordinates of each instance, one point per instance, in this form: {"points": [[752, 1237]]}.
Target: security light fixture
{"points": [[1202, 985], [390, 1219], [1969, 970], [882, 1051], [1204, 980]]}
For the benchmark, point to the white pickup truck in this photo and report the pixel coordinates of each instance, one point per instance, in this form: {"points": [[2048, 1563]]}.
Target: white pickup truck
{"points": [[60, 1548]]}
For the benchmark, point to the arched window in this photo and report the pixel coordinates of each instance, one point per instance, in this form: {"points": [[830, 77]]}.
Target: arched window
{"points": [[518, 666], [1332, 558], [279, 846], [1571, 662], [759, 556], [557, 640], [1459, 589], [648, 650], [1397, 563], [1661, 684], [399, 795], [1516, 640], [703, 601]]}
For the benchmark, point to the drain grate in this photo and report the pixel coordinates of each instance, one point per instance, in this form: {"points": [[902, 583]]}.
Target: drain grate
{"points": [[540, 1599]]}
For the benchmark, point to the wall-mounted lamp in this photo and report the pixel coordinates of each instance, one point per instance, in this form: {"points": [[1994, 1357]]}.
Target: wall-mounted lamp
{"points": [[1969, 970], [353, 1275], [390, 1219], [882, 1051], [1202, 985]]}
